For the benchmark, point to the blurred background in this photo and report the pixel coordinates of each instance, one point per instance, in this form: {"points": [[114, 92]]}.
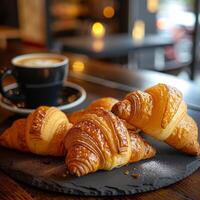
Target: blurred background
{"points": [[160, 35]]}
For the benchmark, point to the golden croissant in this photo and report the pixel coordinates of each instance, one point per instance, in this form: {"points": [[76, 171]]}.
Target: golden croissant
{"points": [[41, 133], [100, 140], [161, 112], [105, 102]]}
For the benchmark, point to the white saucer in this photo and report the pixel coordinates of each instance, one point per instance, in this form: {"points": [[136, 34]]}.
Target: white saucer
{"points": [[8, 105]]}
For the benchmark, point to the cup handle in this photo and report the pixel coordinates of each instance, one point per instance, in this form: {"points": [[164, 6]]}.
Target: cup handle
{"points": [[13, 97]]}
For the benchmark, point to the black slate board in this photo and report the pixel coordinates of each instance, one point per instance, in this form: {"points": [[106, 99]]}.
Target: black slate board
{"points": [[167, 167]]}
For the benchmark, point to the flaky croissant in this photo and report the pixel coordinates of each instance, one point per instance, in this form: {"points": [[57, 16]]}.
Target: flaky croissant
{"points": [[100, 140], [161, 112], [41, 133], [105, 102]]}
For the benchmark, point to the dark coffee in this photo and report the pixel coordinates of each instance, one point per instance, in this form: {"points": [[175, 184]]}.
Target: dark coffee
{"points": [[40, 78]]}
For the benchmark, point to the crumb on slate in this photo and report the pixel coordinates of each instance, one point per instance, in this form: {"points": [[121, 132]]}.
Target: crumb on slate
{"points": [[126, 172], [65, 174], [135, 175]]}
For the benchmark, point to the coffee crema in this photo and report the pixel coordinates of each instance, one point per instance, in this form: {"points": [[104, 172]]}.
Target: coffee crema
{"points": [[39, 61]]}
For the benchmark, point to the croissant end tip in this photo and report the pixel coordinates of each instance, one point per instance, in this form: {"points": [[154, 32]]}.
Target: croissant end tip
{"points": [[117, 109], [76, 170]]}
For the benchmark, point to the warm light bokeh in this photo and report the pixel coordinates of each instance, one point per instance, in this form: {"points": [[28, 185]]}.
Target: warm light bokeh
{"points": [[152, 5], [138, 31], [98, 45], [98, 30], [161, 24], [108, 12], [78, 66]]}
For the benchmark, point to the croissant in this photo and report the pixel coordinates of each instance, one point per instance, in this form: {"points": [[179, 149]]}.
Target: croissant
{"points": [[105, 102], [100, 140], [161, 112], [13, 134], [41, 133]]}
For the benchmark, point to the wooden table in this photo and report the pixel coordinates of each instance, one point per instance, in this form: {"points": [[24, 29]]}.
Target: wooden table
{"points": [[120, 81], [112, 46], [7, 32]]}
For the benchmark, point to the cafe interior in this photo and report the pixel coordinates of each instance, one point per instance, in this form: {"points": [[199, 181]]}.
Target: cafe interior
{"points": [[87, 87]]}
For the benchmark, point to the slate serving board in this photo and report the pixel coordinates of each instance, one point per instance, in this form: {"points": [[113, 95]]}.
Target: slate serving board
{"points": [[167, 167]]}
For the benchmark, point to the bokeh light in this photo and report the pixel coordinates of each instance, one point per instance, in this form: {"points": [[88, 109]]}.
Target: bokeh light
{"points": [[108, 12], [138, 31], [78, 66], [98, 30], [152, 5], [98, 45]]}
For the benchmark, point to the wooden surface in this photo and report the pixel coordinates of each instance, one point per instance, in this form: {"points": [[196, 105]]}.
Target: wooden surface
{"points": [[186, 189], [7, 32], [11, 190]]}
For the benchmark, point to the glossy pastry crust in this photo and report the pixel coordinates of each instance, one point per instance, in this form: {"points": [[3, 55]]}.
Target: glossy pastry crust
{"points": [[140, 149], [105, 102], [14, 137], [161, 112], [100, 140], [41, 133]]}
